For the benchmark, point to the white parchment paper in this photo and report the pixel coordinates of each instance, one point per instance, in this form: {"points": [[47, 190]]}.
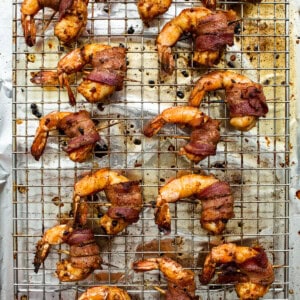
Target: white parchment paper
{"points": [[143, 103], [6, 229]]}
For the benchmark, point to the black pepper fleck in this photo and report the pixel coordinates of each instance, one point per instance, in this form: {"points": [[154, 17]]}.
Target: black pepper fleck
{"points": [[137, 141], [185, 73], [35, 110], [101, 150], [237, 28], [33, 106], [106, 9], [230, 64], [130, 30], [180, 94], [151, 83], [100, 106]]}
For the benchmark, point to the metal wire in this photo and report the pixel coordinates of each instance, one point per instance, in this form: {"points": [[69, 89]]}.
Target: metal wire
{"points": [[255, 163]]}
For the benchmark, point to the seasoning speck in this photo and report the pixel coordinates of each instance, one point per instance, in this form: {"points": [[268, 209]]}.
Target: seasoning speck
{"points": [[130, 30], [185, 73], [237, 28], [137, 141], [35, 110], [101, 150], [180, 94], [151, 83], [100, 106], [56, 201], [230, 64], [22, 189], [171, 148], [31, 58], [106, 9]]}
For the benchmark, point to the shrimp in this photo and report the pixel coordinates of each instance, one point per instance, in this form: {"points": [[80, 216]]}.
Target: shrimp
{"points": [[247, 266], [179, 114], [181, 282], [124, 195], [53, 236], [244, 97], [212, 31], [77, 126], [217, 201], [109, 66], [71, 23], [205, 134], [149, 9], [104, 293], [83, 255]]}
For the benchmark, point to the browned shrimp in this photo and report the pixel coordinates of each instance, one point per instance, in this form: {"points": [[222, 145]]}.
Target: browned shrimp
{"points": [[247, 266], [124, 195], [54, 236], [179, 114], [213, 33], [77, 126], [205, 134], [245, 98], [149, 9], [71, 23], [217, 201], [104, 293], [181, 282], [84, 254], [107, 76]]}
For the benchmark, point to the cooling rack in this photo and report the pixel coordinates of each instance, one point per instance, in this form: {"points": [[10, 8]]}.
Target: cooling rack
{"points": [[255, 163]]}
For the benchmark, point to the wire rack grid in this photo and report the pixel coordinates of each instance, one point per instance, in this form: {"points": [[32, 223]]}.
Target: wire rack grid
{"points": [[255, 163]]}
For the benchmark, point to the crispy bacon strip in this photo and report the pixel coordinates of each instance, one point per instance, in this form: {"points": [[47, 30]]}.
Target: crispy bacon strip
{"points": [[203, 141], [64, 5], [81, 130], [126, 201], [243, 99], [214, 32], [217, 203], [109, 67]]}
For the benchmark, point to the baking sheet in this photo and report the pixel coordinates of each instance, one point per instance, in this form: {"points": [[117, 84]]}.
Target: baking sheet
{"points": [[131, 108]]}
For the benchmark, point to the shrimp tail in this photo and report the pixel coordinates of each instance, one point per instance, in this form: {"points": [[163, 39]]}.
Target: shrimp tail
{"points": [[29, 30], [42, 251], [64, 81], [162, 218], [154, 126], [166, 59], [39, 144]]}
